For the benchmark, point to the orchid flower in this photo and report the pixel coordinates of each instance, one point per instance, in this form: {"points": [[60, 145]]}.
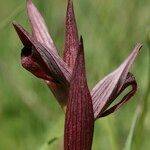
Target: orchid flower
{"points": [[40, 57], [66, 77]]}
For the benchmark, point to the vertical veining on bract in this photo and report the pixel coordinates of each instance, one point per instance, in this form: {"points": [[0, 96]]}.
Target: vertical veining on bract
{"points": [[79, 123]]}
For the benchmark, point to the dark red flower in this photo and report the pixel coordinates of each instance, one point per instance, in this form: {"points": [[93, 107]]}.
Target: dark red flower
{"points": [[40, 57]]}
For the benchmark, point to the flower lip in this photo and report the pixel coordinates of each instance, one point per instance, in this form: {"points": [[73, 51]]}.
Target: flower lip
{"points": [[40, 55], [30, 58], [28, 61]]}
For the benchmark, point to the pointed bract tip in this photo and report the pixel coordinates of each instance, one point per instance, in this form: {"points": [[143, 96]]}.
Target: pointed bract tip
{"points": [[138, 46], [137, 49], [17, 27], [15, 24], [23, 35]]}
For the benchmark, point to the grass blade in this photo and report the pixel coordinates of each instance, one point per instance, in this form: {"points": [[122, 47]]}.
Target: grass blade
{"points": [[129, 140]]}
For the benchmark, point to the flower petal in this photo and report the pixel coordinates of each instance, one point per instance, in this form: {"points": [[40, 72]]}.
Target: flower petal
{"points": [[71, 36], [103, 92], [28, 61], [79, 121], [55, 65], [39, 29], [130, 81], [45, 65]]}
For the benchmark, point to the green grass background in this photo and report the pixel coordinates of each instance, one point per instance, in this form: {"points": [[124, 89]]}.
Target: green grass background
{"points": [[30, 118]]}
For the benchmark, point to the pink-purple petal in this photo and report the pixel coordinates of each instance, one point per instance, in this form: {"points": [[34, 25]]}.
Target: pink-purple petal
{"points": [[45, 65], [56, 65], [112, 83], [130, 81], [39, 29]]}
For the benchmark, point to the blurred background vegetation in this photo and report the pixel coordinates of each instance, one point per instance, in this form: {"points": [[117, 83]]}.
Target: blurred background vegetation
{"points": [[30, 118]]}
